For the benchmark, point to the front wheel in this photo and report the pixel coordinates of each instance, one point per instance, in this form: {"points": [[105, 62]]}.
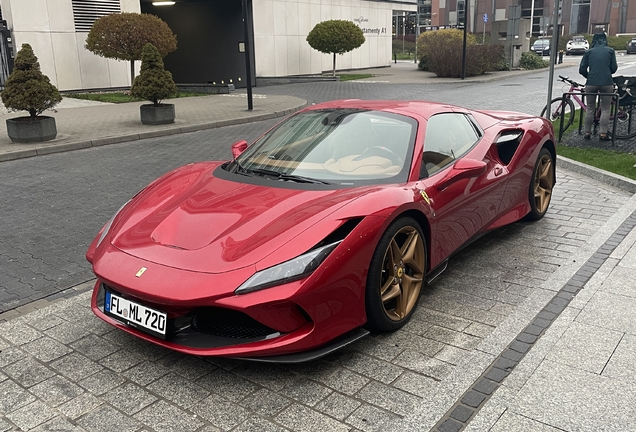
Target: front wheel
{"points": [[541, 185], [396, 275], [557, 107]]}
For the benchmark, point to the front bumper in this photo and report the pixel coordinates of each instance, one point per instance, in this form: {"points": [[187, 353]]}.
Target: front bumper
{"points": [[217, 331]]}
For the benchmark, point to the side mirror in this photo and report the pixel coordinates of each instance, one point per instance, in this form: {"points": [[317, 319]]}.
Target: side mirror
{"points": [[462, 169], [238, 148]]}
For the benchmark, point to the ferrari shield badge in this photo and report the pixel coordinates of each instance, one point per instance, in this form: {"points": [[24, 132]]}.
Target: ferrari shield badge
{"points": [[141, 271], [425, 196]]}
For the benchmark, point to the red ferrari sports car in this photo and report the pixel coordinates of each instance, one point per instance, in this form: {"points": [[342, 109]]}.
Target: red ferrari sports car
{"points": [[326, 227]]}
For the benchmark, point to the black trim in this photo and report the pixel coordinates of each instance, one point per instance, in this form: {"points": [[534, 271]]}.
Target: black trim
{"points": [[314, 354]]}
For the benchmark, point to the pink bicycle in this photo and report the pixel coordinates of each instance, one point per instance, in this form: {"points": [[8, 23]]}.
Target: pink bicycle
{"points": [[624, 86]]}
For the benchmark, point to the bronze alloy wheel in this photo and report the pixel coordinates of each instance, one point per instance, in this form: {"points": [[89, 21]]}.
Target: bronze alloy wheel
{"points": [[402, 273], [543, 182]]}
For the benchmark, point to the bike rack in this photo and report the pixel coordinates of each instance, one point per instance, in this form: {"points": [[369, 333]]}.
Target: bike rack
{"points": [[615, 100]]}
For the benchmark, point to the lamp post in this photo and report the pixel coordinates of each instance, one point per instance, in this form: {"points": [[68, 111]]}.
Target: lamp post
{"points": [[248, 63], [531, 17], [403, 29], [464, 44]]}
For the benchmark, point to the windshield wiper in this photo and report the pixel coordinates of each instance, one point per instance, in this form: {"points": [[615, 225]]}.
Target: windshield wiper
{"points": [[301, 179], [240, 169], [288, 177]]}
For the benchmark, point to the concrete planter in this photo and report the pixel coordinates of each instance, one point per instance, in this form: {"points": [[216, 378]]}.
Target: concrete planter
{"points": [[155, 115], [27, 130]]}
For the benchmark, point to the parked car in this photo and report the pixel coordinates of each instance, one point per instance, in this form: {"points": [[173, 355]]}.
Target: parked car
{"points": [[541, 47], [327, 227], [577, 45], [631, 46]]}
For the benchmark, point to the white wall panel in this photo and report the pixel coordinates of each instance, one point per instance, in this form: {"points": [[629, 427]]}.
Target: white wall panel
{"points": [[94, 69], [119, 72], [42, 48], [293, 55], [67, 62], [305, 56], [60, 16], [291, 18], [280, 54], [280, 22], [31, 15], [304, 19], [130, 6], [264, 60], [263, 18]]}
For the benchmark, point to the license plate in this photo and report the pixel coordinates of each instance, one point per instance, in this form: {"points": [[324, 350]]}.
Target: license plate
{"points": [[136, 315]]}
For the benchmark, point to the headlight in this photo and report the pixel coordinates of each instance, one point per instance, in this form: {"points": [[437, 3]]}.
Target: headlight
{"points": [[108, 224], [288, 271]]}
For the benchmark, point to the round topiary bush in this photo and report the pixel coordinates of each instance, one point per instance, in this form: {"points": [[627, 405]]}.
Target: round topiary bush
{"points": [[335, 37], [153, 83], [27, 88], [532, 60], [122, 36]]}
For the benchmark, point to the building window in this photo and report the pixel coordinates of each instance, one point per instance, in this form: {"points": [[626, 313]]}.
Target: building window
{"points": [[85, 12]]}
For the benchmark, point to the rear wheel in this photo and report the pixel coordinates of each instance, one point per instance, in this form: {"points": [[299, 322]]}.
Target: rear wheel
{"points": [[541, 185], [625, 123], [556, 108], [396, 275]]}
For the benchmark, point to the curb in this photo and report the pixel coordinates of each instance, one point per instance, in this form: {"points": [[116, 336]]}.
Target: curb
{"points": [[78, 145], [606, 177]]}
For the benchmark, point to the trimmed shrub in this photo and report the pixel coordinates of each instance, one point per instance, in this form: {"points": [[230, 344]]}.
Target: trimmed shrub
{"points": [[154, 83], [532, 60], [27, 88], [335, 37], [440, 52], [122, 36]]}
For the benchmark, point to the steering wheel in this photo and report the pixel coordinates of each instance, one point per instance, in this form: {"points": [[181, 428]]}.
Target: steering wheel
{"points": [[383, 151]]}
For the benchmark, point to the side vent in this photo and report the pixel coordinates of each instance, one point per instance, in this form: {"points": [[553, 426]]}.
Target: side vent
{"points": [[85, 12], [507, 143]]}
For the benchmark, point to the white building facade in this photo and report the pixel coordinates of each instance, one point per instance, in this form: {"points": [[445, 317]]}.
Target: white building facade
{"points": [[57, 30]]}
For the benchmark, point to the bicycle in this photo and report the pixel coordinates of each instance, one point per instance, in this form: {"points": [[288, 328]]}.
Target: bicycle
{"points": [[624, 127]]}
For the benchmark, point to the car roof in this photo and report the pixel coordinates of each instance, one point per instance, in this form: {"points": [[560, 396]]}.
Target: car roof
{"points": [[409, 108]]}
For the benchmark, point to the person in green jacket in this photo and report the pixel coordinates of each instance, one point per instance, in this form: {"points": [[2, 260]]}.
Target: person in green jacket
{"points": [[597, 66]]}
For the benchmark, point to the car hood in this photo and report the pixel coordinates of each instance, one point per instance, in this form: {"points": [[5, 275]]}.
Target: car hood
{"points": [[192, 220]]}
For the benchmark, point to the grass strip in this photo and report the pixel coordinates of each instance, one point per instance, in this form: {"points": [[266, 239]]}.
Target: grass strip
{"points": [[608, 160], [119, 97], [350, 77]]}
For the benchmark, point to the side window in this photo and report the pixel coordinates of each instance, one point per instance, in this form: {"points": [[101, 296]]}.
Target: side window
{"points": [[448, 137]]}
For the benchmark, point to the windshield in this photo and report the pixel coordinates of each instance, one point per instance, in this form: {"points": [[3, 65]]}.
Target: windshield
{"points": [[341, 146], [541, 43]]}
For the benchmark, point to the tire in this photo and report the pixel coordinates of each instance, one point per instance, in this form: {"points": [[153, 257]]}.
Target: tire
{"points": [[541, 185], [625, 124], [396, 276], [556, 107]]}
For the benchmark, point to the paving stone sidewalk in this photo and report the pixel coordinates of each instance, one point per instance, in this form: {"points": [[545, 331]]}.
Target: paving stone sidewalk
{"points": [[83, 125], [61, 368]]}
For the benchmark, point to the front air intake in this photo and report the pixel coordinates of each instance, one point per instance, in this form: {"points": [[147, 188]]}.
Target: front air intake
{"points": [[229, 324]]}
